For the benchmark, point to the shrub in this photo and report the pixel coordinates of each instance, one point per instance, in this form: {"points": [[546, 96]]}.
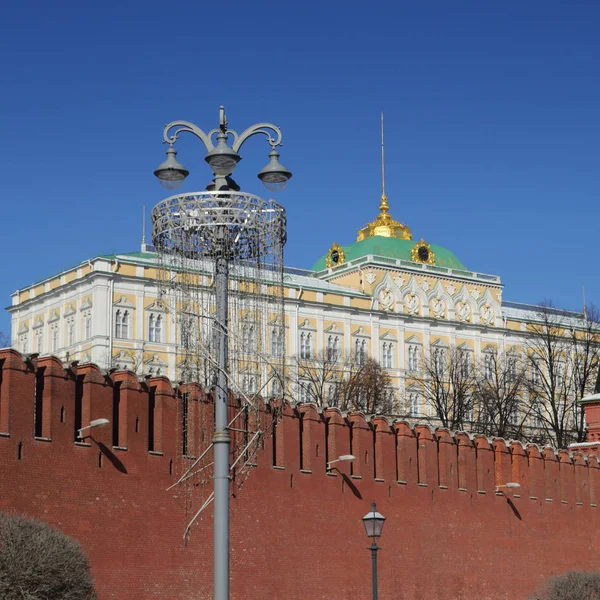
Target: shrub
{"points": [[38, 562], [575, 585]]}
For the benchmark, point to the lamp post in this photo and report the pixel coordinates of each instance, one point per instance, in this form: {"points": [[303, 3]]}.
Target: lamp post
{"points": [[374, 522], [220, 219]]}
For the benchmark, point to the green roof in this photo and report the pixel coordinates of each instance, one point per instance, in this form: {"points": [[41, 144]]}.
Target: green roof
{"points": [[392, 248]]}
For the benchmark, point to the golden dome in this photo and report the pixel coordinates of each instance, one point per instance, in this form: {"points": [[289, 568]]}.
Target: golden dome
{"points": [[384, 225]]}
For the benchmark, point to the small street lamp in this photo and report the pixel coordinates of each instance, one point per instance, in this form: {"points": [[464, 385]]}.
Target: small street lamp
{"points": [[374, 522], [94, 423]]}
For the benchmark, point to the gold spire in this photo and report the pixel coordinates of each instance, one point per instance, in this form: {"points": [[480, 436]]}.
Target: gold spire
{"points": [[384, 225]]}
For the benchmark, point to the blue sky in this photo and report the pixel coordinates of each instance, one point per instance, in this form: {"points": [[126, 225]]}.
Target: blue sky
{"points": [[492, 127]]}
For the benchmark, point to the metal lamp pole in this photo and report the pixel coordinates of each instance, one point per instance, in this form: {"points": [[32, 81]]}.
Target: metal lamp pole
{"points": [[373, 522], [222, 159]]}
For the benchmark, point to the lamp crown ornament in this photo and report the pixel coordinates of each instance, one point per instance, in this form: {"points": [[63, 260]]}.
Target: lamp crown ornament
{"points": [[222, 156]]}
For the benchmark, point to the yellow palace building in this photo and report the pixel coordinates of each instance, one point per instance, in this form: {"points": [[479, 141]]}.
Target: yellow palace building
{"points": [[386, 296]]}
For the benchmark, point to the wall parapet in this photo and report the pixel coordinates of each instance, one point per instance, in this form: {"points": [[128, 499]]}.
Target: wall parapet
{"points": [[42, 400]]}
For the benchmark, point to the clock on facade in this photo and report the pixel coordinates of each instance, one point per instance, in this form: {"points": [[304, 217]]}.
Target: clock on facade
{"points": [[335, 256], [422, 252]]}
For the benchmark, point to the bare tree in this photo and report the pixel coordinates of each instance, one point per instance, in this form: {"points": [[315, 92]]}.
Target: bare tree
{"points": [[550, 353], [585, 358], [447, 382], [38, 562], [315, 378], [365, 387], [575, 585], [500, 384], [4, 340]]}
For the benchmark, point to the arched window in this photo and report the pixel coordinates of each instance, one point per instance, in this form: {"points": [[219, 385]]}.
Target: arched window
{"points": [[439, 360], [54, 337], [360, 351], [386, 355], [464, 361], [248, 338], [488, 366], [155, 328], [413, 404], [121, 323], [413, 357], [333, 348], [276, 341], [303, 391], [249, 383], [87, 324], [39, 340], [70, 331], [305, 344]]}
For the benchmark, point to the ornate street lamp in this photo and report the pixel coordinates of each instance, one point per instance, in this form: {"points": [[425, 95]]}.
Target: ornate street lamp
{"points": [[221, 157], [374, 522], [221, 226]]}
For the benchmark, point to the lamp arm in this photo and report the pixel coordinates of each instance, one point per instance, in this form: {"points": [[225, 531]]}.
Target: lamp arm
{"points": [[186, 126], [264, 128]]}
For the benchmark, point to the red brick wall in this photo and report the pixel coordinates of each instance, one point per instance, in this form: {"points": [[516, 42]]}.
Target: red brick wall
{"points": [[296, 534]]}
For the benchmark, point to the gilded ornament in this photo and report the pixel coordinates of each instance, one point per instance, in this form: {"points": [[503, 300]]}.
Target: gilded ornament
{"points": [[421, 252], [399, 281], [475, 294], [425, 286], [450, 289], [335, 256]]}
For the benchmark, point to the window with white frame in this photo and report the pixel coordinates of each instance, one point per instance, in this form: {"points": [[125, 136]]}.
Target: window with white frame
{"points": [[277, 341], [536, 366], [559, 371], [387, 353], [154, 371], [54, 336], [360, 351], [70, 330], [512, 366], [23, 342], [276, 389], [39, 340], [248, 338], [413, 403], [488, 365], [303, 391], [249, 383], [465, 362], [439, 360], [333, 348], [122, 323], [413, 352], [155, 327], [306, 344], [87, 324]]}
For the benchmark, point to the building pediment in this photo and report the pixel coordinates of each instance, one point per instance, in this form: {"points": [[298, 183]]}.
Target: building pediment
{"points": [[38, 322], [87, 303], [54, 316], [122, 302]]}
